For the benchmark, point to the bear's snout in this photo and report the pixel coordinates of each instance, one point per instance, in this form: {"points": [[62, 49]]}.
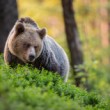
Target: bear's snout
{"points": [[31, 57], [31, 54]]}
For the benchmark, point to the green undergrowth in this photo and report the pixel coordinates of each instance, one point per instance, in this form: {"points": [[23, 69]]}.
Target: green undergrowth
{"points": [[26, 88]]}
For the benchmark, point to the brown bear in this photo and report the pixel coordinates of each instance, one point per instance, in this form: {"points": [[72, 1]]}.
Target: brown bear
{"points": [[27, 43]]}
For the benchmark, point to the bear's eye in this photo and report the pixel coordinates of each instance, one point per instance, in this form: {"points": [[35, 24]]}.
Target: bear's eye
{"points": [[26, 45], [35, 47]]}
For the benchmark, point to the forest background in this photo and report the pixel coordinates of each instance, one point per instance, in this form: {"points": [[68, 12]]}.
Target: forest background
{"points": [[93, 24]]}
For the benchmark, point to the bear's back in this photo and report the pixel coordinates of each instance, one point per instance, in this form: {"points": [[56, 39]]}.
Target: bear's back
{"points": [[59, 53]]}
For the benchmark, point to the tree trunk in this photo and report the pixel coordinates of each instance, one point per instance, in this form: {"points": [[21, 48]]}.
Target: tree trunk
{"points": [[73, 39], [8, 16]]}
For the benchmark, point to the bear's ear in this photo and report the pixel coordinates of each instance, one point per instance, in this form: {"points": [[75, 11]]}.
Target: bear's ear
{"points": [[41, 32], [19, 28]]}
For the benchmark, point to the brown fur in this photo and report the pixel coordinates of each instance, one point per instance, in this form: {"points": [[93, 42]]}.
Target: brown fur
{"points": [[27, 20], [26, 40], [24, 34]]}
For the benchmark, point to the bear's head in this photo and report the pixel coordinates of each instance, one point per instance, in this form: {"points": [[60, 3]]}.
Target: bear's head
{"points": [[25, 42]]}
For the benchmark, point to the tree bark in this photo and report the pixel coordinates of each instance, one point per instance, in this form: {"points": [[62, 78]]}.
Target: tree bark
{"points": [[8, 16], [73, 39]]}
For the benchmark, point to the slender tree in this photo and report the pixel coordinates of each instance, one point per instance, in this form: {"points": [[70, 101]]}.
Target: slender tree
{"points": [[73, 39], [8, 16]]}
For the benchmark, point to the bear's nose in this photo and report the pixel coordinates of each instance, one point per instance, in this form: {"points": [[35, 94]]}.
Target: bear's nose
{"points": [[31, 57]]}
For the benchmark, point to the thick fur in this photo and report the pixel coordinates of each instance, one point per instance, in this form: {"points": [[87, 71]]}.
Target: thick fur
{"points": [[52, 56]]}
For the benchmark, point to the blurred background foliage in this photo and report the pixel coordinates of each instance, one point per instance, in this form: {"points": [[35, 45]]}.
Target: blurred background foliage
{"points": [[93, 22]]}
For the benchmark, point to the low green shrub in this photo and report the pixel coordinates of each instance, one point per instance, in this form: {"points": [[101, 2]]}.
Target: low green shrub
{"points": [[26, 88]]}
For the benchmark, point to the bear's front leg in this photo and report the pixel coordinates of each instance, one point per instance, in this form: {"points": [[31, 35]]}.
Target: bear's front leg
{"points": [[53, 64]]}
